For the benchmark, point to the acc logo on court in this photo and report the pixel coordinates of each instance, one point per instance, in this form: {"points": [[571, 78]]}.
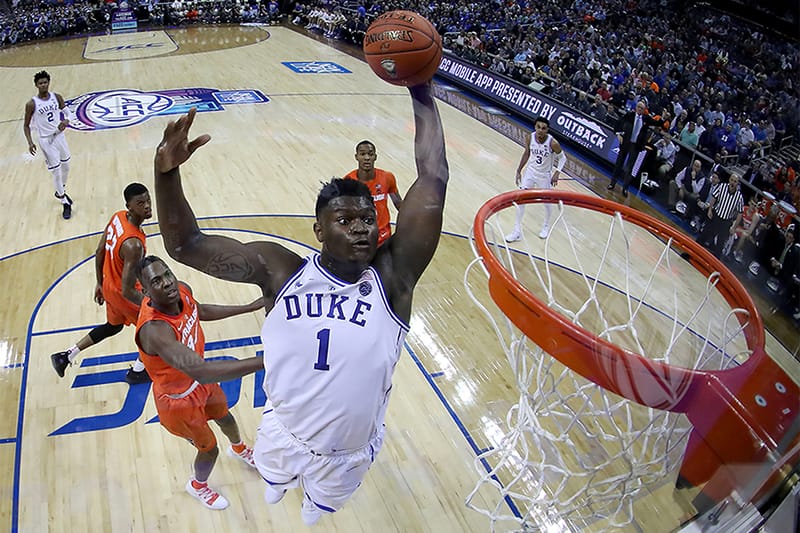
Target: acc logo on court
{"points": [[315, 67], [128, 107]]}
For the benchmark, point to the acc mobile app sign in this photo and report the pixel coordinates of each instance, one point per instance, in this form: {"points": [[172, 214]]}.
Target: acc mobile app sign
{"points": [[565, 122]]}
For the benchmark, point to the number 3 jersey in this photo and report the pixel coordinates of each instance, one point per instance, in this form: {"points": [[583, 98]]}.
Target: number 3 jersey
{"points": [[330, 349]]}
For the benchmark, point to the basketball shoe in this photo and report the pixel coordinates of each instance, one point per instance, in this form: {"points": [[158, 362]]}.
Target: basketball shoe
{"points": [[514, 236], [134, 378], [246, 456], [60, 362], [206, 495], [545, 231], [309, 512]]}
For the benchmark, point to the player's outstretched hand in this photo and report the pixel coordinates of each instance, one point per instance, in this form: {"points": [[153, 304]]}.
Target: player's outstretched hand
{"points": [[175, 147]]}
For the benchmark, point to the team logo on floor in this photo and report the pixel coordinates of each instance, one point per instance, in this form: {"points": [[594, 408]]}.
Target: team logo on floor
{"points": [[315, 67], [126, 107]]}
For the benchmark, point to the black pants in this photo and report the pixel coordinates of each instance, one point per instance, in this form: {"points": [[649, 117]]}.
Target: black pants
{"points": [[715, 233], [623, 168]]}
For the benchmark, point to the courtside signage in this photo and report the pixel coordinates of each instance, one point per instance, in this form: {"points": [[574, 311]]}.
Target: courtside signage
{"points": [[127, 107], [565, 122]]}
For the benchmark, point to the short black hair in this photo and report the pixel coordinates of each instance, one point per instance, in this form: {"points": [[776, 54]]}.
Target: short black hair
{"points": [[41, 75], [543, 120], [134, 189], [340, 187], [144, 263], [365, 141]]}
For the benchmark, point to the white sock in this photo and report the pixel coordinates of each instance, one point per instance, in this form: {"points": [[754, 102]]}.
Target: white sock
{"points": [[73, 353], [64, 174], [57, 183], [138, 366], [548, 208], [518, 223]]}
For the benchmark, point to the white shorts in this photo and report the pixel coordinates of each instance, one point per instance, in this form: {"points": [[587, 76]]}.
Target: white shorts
{"points": [[536, 181], [329, 480], [55, 149]]}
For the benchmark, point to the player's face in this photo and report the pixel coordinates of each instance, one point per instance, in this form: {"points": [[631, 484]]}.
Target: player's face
{"points": [[348, 230], [141, 206], [43, 84], [541, 131], [160, 284], [366, 156]]}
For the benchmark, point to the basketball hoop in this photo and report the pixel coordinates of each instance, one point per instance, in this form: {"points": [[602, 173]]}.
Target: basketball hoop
{"points": [[632, 352]]}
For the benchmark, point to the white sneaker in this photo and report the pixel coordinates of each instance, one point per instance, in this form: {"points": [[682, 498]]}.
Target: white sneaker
{"points": [[309, 512], [207, 496], [273, 495], [545, 232], [246, 456], [514, 236]]}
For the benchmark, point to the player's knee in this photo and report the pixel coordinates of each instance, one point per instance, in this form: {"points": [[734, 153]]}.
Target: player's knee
{"points": [[104, 331]]}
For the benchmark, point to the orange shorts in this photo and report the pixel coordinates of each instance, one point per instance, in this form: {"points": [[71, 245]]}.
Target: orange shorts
{"points": [[188, 417], [120, 310]]}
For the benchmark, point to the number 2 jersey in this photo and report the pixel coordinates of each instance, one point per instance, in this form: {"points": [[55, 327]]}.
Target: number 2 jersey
{"points": [[330, 349], [46, 115]]}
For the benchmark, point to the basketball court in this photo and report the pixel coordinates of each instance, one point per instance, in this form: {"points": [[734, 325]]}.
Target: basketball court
{"points": [[285, 111]]}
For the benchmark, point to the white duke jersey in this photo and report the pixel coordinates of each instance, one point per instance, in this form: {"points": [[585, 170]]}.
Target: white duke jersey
{"points": [[540, 161], [46, 115], [330, 349]]}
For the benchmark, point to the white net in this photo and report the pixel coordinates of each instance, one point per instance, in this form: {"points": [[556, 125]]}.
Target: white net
{"points": [[575, 456]]}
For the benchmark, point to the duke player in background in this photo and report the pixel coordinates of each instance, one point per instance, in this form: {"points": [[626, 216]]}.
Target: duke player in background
{"points": [[542, 154], [333, 337], [50, 117]]}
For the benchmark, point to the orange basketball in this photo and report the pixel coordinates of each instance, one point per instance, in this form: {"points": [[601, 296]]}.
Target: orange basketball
{"points": [[403, 48]]}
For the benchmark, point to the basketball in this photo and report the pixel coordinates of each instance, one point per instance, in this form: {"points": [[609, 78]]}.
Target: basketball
{"points": [[403, 48]]}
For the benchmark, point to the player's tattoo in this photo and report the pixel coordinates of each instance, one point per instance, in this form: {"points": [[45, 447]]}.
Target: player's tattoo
{"points": [[230, 267]]}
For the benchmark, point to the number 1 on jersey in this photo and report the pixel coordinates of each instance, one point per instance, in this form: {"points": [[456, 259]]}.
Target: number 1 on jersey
{"points": [[323, 336]]}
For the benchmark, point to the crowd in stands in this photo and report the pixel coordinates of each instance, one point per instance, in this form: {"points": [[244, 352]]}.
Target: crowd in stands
{"points": [[726, 89]]}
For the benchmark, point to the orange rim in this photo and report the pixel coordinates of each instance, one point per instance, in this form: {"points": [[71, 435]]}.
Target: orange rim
{"points": [[628, 374]]}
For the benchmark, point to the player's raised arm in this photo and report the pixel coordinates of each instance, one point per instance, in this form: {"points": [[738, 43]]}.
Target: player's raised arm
{"points": [[260, 263], [419, 222]]}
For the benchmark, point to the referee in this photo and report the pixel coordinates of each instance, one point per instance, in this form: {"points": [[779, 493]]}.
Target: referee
{"points": [[724, 214]]}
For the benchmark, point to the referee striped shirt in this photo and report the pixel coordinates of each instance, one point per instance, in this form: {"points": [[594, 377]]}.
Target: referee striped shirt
{"points": [[728, 204]]}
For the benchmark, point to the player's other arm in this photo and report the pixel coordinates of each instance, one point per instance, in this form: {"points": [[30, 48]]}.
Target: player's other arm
{"points": [[65, 113], [523, 160], [207, 312], [131, 252], [26, 126], [561, 159], [158, 338], [262, 263], [99, 260], [419, 223]]}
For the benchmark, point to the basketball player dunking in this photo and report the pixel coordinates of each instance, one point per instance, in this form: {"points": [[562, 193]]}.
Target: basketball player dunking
{"points": [[542, 153], [333, 337], [50, 117]]}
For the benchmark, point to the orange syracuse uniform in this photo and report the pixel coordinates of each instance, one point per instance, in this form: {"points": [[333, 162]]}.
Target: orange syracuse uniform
{"points": [[119, 310], [381, 187], [184, 406]]}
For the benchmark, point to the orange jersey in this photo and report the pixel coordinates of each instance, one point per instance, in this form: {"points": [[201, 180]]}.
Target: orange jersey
{"points": [[381, 187], [118, 230], [186, 325]]}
